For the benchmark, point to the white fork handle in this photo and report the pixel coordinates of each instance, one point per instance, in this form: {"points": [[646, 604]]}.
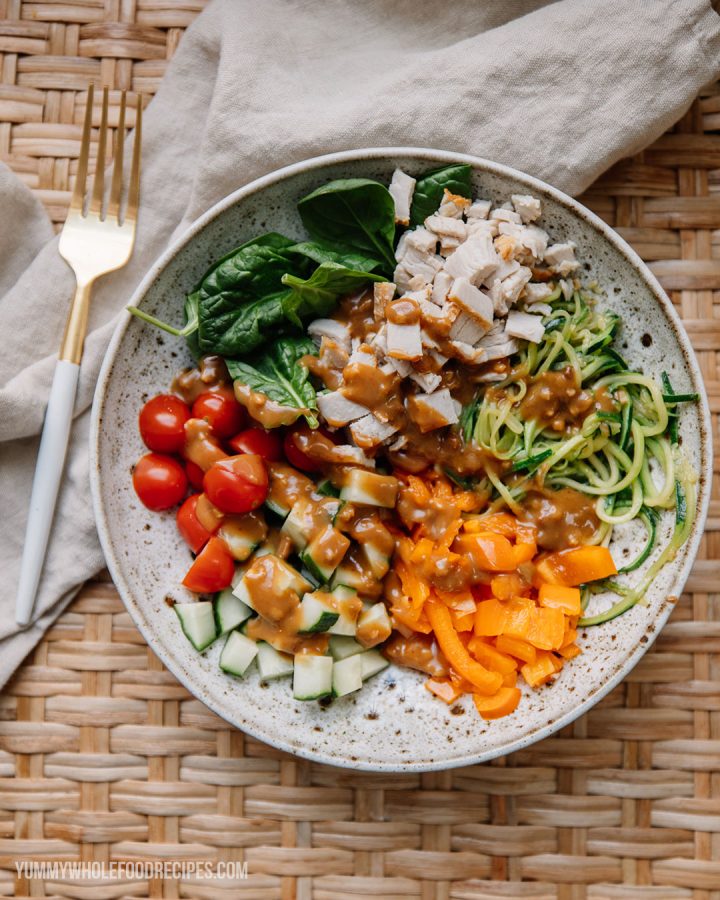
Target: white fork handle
{"points": [[46, 483]]}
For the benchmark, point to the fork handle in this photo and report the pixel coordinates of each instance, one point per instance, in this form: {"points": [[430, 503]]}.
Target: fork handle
{"points": [[46, 483]]}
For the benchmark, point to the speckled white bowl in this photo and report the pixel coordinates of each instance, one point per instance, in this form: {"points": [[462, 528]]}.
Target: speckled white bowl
{"points": [[393, 724]]}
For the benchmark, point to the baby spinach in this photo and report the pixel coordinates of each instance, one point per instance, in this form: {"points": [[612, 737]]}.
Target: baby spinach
{"points": [[430, 187], [277, 373], [321, 290], [358, 212], [322, 251]]}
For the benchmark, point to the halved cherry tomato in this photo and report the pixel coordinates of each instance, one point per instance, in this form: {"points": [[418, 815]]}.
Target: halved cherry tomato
{"points": [[162, 421], [192, 530], [295, 455], [195, 475], [221, 410], [212, 570], [159, 481], [237, 484], [258, 440]]}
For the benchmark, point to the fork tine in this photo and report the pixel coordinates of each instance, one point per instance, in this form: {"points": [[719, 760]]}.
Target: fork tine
{"points": [[79, 192], [134, 190], [116, 186], [99, 180]]}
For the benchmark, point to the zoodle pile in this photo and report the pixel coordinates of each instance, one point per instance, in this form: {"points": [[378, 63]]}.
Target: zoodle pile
{"points": [[410, 437]]}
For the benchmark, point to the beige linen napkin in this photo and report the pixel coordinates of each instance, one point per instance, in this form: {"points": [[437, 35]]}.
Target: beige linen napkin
{"points": [[560, 90]]}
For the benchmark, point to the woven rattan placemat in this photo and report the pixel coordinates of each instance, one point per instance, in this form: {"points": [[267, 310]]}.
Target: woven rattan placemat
{"points": [[104, 756]]}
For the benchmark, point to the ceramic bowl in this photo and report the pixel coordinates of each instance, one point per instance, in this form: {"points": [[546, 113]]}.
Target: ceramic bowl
{"points": [[393, 724]]}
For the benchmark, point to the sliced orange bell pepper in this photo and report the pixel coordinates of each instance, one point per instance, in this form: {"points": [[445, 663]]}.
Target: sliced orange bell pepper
{"points": [[576, 566], [462, 621], [484, 681], [444, 689], [547, 629], [490, 657], [541, 670], [557, 596], [569, 651], [490, 552], [490, 618], [502, 703], [520, 620], [510, 680], [515, 647], [499, 523], [508, 585]]}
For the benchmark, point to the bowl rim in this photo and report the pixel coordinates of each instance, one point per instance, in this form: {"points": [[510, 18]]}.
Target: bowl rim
{"points": [[439, 157]]}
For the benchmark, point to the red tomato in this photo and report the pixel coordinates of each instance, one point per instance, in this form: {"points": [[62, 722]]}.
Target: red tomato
{"points": [[159, 481], [162, 423], [297, 457], [212, 570], [195, 475], [193, 532], [258, 440], [220, 408], [237, 484]]}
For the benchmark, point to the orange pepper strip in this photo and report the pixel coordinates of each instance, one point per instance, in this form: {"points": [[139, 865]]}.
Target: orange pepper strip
{"points": [[547, 628], [517, 648], [576, 566], [540, 671], [569, 651], [503, 703], [491, 658], [462, 621], [490, 618], [500, 523], [444, 689], [484, 681], [510, 680], [508, 585], [557, 596], [491, 552]]}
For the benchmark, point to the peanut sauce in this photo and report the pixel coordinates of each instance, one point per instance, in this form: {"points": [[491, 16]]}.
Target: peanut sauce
{"points": [[269, 413], [563, 518], [211, 374], [555, 400], [201, 447], [419, 652], [404, 311]]}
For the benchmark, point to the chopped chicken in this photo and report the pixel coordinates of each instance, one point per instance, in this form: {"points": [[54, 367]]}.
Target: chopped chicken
{"points": [[346, 454], [567, 288], [523, 325], [534, 239], [337, 410], [428, 342], [543, 309], [466, 329], [370, 431], [467, 353], [527, 207], [383, 292], [440, 288], [363, 357], [413, 263], [472, 301], [501, 214], [422, 240], [330, 328], [438, 358], [332, 354], [446, 225], [501, 351], [482, 226], [403, 341], [428, 381], [480, 209], [431, 411], [453, 205], [402, 187], [561, 258], [513, 284], [474, 260], [534, 293]]}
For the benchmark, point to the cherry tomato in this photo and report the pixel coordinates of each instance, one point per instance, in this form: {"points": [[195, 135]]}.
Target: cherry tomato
{"points": [[212, 570], [222, 411], [237, 484], [297, 457], [159, 481], [193, 532], [195, 475], [258, 440], [162, 423]]}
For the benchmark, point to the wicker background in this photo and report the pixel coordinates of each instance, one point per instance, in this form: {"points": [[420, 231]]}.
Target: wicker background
{"points": [[104, 756]]}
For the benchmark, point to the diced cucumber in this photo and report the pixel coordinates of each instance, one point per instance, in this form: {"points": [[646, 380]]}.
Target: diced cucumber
{"points": [[324, 553], [349, 577], [317, 613], [378, 562], [327, 489], [240, 545], [373, 625], [277, 508], [347, 675], [346, 622], [272, 664], [237, 654], [230, 611], [372, 662], [284, 578], [312, 677], [370, 488], [197, 622], [342, 646], [300, 523]]}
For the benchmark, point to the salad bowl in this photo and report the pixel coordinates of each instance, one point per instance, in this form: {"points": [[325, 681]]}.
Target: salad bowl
{"points": [[393, 724]]}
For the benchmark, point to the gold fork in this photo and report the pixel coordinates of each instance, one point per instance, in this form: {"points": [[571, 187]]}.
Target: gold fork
{"points": [[94, 241]]}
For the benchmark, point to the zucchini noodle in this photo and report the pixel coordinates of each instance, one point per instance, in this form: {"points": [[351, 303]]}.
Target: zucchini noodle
{"points": [[628, 458]]}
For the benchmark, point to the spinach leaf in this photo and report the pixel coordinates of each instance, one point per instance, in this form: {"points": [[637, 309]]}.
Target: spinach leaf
{"points": [[321, 290], [277, 373], [321, 251], [430, 187], [251, 270], [358, 212], [191, 311]]}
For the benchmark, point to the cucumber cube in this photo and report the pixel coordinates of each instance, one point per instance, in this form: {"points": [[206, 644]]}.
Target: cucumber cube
{"points": [[312, 677], [230, 611], [370, 488], [237, 654], [342, 646], [372, 662], [347, 675], [317, 613], [272, 664], [197, 622]]}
